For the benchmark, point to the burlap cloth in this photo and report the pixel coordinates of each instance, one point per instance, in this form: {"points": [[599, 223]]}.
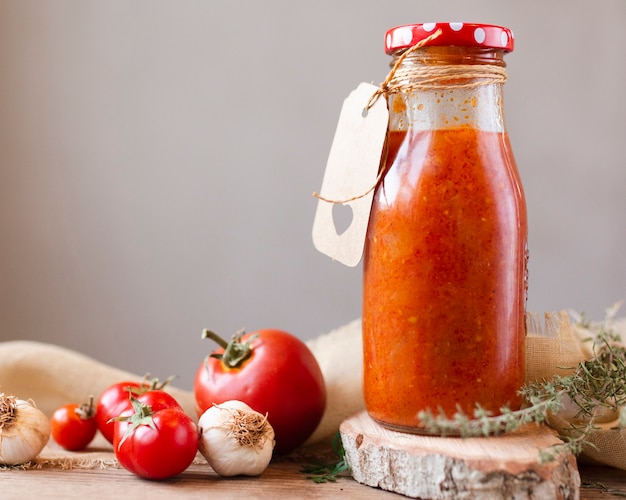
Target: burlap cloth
{"points": [[48, 374]]}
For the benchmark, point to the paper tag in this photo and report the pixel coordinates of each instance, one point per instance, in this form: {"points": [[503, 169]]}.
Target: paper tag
{"points": [[351, 171]]}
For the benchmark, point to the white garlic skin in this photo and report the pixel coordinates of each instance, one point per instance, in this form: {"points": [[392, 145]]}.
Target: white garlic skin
{"points": [[226, 456], [22, 440]]}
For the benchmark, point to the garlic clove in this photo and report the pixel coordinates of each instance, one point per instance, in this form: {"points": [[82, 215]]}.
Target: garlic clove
{"points": [[16, 450], [228, 458], [24, 431], [236, 440]]}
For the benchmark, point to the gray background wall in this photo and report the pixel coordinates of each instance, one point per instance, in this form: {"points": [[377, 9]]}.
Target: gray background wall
{"points": [[157, 160]]}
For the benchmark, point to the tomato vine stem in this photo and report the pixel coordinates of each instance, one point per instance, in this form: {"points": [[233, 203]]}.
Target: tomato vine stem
{"points": [[235, 351]]}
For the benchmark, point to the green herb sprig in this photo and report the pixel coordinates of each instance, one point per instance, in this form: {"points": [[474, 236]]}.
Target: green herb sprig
{"points": [[599, 382], [324, 472]]}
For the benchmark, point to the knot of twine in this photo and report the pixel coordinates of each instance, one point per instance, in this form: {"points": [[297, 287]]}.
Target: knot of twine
{"points": [[404, 79], [444, 76], [386, 86]]}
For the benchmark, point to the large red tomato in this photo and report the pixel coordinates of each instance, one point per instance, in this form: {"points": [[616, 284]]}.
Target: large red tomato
{"points": [[274, 373]]}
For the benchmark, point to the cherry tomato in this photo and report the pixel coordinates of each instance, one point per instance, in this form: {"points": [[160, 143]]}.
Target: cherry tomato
{"points": [[113, 401], [116, 399], [157, 399], [73, 426], [272, 371], [155, 444]]}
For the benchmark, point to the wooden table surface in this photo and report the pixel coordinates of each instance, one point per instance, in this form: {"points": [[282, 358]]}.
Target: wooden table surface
{"points": [[281, 480]]}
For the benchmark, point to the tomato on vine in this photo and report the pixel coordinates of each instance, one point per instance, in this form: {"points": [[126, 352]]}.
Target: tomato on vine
{"points": [[116, 399], [273, 372], [73, 426], [155, 443]]}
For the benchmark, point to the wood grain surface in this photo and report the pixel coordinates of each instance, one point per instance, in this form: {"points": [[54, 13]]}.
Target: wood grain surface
{"points": [[282, 480]]}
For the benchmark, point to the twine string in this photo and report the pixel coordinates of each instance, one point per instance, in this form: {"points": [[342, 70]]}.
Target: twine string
{"points": [[384, 87], [445, 76]]}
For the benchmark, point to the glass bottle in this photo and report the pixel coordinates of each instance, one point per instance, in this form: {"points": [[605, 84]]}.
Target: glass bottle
{"points": [[445, 262]]}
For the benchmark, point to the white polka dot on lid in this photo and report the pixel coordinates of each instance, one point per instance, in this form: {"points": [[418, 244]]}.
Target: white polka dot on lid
{"points": [[429, 26], [456, 26], [407, 36], [504, 38], [479, 35], [401, 37]]}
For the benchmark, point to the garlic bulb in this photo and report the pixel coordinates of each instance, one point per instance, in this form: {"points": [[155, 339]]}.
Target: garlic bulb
{"points": [[24, 430], [235, 439]]}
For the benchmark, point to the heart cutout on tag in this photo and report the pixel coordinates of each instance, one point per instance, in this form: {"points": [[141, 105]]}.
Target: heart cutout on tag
{"points": [[351, 176], [342, 217]]}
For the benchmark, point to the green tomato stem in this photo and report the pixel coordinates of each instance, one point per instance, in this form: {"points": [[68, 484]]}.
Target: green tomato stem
{"points": [[235, 351], [206, 333]]}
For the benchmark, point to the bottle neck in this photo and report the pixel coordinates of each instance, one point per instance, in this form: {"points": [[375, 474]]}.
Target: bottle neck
{"points": [[437, 88]]}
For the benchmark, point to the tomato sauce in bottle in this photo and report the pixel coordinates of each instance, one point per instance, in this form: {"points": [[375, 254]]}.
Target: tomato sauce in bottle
{"points": [[445, 263]]}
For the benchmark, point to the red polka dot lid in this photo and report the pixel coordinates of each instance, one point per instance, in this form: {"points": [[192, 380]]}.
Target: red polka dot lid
{"points": [[461, 34]]}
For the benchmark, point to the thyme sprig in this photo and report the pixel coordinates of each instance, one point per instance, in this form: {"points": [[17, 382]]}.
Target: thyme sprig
{"points": [[483, 422], [324, 472], [599, 382]]}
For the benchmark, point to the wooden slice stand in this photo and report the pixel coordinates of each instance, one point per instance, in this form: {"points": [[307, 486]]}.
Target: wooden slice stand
{"points": [[428, 467]]}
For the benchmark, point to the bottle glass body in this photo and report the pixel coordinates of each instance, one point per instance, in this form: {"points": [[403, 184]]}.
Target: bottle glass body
{"points": [[445, 263]]}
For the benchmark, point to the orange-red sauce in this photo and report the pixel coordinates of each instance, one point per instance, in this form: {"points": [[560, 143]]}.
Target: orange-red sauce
{"points": [[444, 278]]}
